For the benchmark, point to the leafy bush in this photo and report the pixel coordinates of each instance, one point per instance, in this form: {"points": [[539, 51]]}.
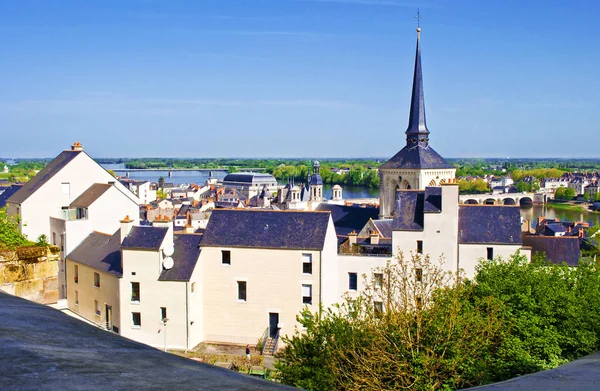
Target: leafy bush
{"points": [[10, 236], [42, 241]]}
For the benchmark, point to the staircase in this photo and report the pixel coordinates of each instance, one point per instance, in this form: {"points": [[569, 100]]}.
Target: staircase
{"points": [[270, 346]]}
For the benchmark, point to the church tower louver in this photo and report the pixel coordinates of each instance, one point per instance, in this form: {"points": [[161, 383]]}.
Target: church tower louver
{"points": [[417, 165]]}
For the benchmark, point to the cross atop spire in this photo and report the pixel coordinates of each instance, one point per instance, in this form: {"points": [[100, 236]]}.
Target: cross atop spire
{"points": [[418, 17], [417, 133]]}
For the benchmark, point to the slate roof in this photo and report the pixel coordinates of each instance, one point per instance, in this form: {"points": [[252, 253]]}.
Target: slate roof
{"points": [[411, 205], [145, 238], [250, 177], [316, 180], [349, 218], [8, 192], [409, 211], [433, 200], [417, 154], [89, 196], [554, 228], [43, 176], [101, 252], [491, 224], [384, 227], [266, 229], [185, 257], [558, 249], [183, 210], [417, 157]]}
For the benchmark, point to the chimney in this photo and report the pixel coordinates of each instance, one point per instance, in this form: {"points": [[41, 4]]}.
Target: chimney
{"points": [[165, 222], [352, 237], [374, 237], [126, 225], [76, 146]]}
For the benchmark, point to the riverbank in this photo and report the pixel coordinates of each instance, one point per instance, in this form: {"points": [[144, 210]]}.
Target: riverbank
{"points": [[572, 206]]}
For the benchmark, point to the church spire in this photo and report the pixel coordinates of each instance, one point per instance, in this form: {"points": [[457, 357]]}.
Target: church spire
{"points": [[417, 133]]}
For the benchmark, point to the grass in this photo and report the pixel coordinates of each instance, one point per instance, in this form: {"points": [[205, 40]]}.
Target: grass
{"points": [[565, 206]]}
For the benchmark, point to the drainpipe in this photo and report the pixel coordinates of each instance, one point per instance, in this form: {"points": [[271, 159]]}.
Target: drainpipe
{"points": [[187, 320], [458, 254], [320, 281]]}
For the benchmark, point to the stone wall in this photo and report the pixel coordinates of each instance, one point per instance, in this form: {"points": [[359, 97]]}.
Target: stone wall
{"points": [[30, 273]]}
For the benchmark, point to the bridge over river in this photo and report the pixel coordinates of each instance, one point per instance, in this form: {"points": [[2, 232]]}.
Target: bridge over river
{"points": [[520, 199], [172, 170]]}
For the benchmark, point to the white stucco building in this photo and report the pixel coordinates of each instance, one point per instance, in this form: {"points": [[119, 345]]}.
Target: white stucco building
{"points": [[68, 199]]}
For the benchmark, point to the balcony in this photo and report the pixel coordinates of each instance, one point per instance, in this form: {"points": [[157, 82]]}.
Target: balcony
{"points": [[75, 214]]}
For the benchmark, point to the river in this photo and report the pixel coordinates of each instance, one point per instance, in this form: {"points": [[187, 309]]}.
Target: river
{"points": [[349, 192]]}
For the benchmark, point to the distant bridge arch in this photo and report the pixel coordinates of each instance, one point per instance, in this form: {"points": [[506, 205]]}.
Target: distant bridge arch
{"points": [[521, 199]]}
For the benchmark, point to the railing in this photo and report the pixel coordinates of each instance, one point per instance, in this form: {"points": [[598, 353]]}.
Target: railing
{"points": [[276, 343], [264, 339]]}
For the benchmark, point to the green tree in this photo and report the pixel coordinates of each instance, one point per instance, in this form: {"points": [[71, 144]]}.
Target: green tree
{"points": [[560, 193], [413, 327], [569, 193], [551, 312], [523, 186]]}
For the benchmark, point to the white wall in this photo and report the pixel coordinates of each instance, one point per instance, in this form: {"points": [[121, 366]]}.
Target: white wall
{"points": [[471, 254], [154, 294], [107, 293], [274, 284], [47, 201], [440, 233], [362, 265], [330, 266]]}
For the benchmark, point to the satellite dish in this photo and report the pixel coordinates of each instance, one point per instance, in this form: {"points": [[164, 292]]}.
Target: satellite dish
{"points": [[168, 263], [168, 250]]}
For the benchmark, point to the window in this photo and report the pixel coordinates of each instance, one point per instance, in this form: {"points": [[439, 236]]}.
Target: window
{"points": [[490, 253], [193, 288], [163, 313], [97, 307], [76, 274], [378, 280], [419, 247], [65, 189], [97, 280], [54, 238], [352, 281], [226, 257], [241, 290], [307, 263], [378, 308], [76, 298], [419, 274], [135, 291], [307, 294], [136, 317]]}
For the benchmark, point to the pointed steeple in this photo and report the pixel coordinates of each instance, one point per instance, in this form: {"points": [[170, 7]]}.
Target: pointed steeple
{"points": [[417, 133]]}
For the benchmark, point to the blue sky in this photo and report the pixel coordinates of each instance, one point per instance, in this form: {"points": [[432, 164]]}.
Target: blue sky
{"points": [[297, 78]]}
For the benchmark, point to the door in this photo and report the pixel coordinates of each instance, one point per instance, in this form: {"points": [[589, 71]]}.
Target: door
{"points": [[109, 324], [273, 322]]}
